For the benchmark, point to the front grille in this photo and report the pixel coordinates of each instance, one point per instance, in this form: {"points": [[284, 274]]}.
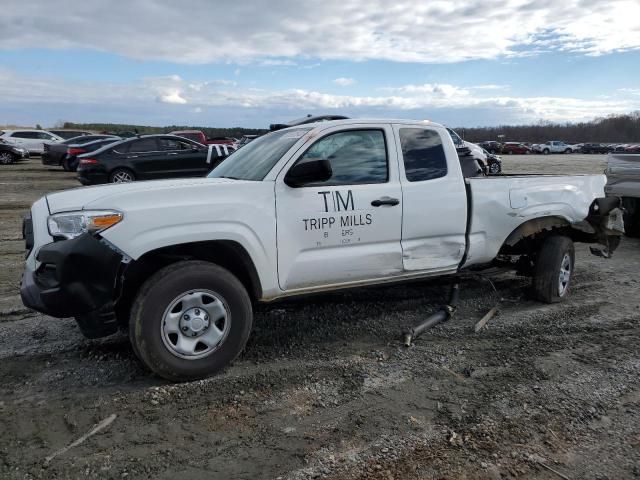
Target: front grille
{"points": [[27, 233]]}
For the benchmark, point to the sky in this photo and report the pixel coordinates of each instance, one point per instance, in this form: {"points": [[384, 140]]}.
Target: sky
{"points": [[250, 63]]}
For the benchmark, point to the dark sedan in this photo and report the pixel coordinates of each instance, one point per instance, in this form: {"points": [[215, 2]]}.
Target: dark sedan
{"points": [[148, 157], [57, 153], [595, 148], [491, 146], [11, 153]]}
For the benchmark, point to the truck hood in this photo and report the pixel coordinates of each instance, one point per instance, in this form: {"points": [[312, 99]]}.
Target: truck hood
{"points": [[119, 195]]}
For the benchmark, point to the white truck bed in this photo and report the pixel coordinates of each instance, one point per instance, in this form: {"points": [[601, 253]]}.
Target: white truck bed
{"points": [[500, 204]]}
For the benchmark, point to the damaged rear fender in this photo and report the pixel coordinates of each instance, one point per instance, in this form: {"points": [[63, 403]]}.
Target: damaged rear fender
{"points": [[603, 225]]}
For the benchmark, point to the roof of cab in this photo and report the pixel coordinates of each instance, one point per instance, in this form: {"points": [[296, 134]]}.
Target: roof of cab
{"points": [[352, 121]]}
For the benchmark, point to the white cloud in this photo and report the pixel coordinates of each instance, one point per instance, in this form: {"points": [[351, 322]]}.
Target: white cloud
{"points": [[410, 101], [442, 90], [489, 86], [172, 97], [259, 30], [344, 81]]}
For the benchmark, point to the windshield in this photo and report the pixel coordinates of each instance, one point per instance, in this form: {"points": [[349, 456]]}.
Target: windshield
{"points": [[257, 158]]}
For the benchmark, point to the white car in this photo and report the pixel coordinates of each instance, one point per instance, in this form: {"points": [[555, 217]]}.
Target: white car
{"points": [[554, 146], [31, 140], [306, 209]]}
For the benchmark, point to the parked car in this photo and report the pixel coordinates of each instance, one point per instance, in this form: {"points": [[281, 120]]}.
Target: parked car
{"points": [[634, 148], [31, 140], [195, 135], [491, 146], [222, 141], [475, 150], [623, 180], [305, 121], [148, 157], [11, 153], [74, 151], [66, 134], [554, 146], [595, 148], [517, 148], [57, 154], [494, 164]]}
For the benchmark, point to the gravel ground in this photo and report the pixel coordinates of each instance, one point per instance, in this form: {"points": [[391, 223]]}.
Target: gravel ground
{"points": [[326, 390]]}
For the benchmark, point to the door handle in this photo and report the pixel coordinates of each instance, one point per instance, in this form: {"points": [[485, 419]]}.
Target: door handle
{"points": [[171, 153], [385, 201]]}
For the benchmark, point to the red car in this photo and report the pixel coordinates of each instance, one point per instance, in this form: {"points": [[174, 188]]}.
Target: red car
{"points": [[200, 137], [515, 147]]}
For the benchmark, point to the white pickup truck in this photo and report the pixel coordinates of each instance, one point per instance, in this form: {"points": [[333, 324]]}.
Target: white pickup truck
{"points": [[553, 146], [306, 209]]}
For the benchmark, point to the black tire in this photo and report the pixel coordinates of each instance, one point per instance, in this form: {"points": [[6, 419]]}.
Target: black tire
{"points": [[155, 297], [6, 158], [546, 271], [494, 168], [116, 174], [545, 151], [568, 150], [631, 216], [65, 164]]}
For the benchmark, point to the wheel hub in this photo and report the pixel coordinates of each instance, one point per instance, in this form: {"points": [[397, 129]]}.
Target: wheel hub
{"points": [[194, 322]]}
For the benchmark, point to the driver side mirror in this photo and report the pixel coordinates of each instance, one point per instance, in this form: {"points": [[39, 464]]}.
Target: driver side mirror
{"points": [[310, 171]]}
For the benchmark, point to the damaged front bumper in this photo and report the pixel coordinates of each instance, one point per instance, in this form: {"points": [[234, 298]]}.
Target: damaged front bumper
{"points": [[75, 278]]}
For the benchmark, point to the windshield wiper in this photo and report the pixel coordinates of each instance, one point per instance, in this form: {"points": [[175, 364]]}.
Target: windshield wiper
{"points": [[230, 178]]}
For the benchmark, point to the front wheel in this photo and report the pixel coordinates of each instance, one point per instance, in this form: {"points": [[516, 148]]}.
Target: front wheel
{"points": [[494, 168], [545, 151], [6, 158], [190, 320], [553, 269], [568, 150]]}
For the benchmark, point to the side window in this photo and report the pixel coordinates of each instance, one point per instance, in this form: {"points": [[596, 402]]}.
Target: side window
{"points": [[356, 156], [173, 144], [144, 145], [423, 154], [24, 134]]}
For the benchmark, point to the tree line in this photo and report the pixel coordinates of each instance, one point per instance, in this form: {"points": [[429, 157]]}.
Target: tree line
{"points": [[610, 129], [116, 128]]}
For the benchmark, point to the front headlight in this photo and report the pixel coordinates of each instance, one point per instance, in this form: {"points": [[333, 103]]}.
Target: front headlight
{"points": [[73, 224]]}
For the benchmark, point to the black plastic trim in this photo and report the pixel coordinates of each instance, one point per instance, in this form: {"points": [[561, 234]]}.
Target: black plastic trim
{"points": [[76, 277]]}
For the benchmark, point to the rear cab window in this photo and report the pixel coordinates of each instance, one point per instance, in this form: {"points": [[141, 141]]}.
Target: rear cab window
{"points": [[423, 154]]}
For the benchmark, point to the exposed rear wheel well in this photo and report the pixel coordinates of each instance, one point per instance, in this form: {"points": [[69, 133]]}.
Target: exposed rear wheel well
{"points": [[224, 253], [528, 237]]}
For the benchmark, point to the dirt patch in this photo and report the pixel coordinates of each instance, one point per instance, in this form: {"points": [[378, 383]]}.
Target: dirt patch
{"points": [[326, 390]]}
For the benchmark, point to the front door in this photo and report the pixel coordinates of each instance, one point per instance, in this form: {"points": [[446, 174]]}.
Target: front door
{"points": [[182, 158], [346, 229], [434, 201]]}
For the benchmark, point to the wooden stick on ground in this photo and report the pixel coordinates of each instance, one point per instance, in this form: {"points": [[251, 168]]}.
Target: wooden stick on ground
{"points": [[483, 321], [564, 477], [101, 426]]}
